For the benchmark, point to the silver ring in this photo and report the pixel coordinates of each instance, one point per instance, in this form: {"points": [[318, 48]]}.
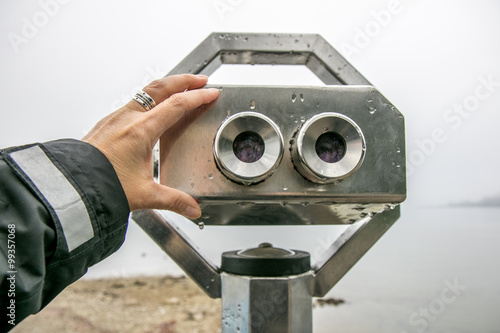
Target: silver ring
{"points": [[145, 100]]}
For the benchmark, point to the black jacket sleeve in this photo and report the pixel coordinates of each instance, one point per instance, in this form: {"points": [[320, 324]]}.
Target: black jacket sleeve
{"points": [[62, 210]]}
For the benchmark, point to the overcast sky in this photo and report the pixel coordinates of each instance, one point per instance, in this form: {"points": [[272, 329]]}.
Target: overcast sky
{"points": [[66, 64]]}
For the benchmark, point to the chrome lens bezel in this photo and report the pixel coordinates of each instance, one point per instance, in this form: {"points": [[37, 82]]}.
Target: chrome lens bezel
{"points": [[307, 161], [230, 165]]}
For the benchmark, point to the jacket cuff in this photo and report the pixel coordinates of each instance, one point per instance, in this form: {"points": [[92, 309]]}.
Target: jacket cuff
{"points": [[99, 186], [80, 188]]}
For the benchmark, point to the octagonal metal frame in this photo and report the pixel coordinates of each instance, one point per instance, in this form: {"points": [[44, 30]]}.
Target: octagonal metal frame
{"points": [[310, 50], [314, 52]]}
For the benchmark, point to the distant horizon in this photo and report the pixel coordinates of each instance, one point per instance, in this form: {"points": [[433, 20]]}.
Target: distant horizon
{"points": [[491, 201]]}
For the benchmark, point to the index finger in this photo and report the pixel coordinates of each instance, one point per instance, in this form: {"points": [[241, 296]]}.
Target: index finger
{"points": [[161, 89], [165, 115]]}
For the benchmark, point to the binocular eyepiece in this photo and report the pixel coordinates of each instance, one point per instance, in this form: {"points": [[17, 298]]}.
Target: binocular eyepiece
{"points": [[249, 146]]}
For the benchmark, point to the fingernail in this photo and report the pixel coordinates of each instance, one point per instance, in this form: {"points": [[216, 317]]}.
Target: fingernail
{"points": [[202, 76], [191, 212]]}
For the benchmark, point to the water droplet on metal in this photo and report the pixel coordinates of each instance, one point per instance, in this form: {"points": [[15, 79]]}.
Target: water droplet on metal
{"points": [[285, 187], [210, 176], [201, 225], [302, 119], [305, 203], [252, 104], [301, 97], [372, 109], [398, 150], [294, 97]]}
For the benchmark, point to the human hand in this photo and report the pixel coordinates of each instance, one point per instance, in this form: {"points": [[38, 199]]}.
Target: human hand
{"points": [[127, 137]]}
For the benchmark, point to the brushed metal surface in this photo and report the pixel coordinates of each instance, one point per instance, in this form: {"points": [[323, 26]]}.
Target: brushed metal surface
{"points": [[179, 248], [310, 50], [187, 160], [267, 304], [345, 252]]}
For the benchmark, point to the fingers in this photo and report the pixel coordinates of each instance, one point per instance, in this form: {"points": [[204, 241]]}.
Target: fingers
{"points": [[163, 88], [163, 116], [174, 200]]}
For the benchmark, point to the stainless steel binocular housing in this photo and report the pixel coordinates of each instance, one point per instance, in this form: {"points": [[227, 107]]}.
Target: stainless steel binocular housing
{"points": [[260, 155]]}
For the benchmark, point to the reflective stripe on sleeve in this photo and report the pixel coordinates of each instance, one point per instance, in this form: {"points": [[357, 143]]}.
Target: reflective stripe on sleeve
{"points": [[59, 192]]}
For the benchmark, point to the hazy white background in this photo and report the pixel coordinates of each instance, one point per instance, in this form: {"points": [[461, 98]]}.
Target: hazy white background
{"points": [[79, 66], [89, 57]]}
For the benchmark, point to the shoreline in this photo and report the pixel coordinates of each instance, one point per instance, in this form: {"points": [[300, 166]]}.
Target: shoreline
{"points": [[150, 304], [136, 304]]}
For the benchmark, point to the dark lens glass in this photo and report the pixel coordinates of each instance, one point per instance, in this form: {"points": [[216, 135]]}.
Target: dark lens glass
{"points": [[248, 147], [330, 147]]}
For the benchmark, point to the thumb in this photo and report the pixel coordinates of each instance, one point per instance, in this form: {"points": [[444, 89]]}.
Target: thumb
{"points": [[177, 201]]}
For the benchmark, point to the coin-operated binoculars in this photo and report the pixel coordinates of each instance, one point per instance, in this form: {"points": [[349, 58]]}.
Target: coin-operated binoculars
{"points": [[281, 155]]}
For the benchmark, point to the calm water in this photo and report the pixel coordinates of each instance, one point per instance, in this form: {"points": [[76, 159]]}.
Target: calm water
{"points": [[436, 270]]}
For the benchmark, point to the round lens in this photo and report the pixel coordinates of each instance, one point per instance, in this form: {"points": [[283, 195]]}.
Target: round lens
{"points": [[330, 147], [248, 147]]}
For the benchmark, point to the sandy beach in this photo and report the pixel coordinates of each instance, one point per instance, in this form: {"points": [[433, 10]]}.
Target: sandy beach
{"points": [[145, 304]]}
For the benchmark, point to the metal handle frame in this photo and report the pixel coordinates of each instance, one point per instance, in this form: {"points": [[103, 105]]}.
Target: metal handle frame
{"points": [[310, 50], [336, 261]]}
